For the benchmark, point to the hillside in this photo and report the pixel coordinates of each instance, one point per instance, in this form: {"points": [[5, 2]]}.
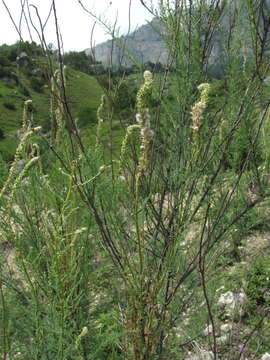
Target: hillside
{"points": [[18, 85], [142, 45]]}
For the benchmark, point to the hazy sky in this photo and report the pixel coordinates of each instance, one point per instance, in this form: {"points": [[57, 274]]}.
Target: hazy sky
{"points": [[75, 23]]}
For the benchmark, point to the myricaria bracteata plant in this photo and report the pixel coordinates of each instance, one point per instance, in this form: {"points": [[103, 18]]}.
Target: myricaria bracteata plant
{"points": [[122, 259]]}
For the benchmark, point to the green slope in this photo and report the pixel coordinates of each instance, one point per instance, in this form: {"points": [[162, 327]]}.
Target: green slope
{"points": [[83, 93]]}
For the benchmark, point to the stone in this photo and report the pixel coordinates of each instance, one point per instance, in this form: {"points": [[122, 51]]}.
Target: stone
{"points": [[202, 355], [232, 303], [265, 356], [22, 60], [226, 328], [208, 330], [223, 339]]}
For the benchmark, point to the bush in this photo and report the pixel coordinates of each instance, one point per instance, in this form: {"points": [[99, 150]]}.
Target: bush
{"points": [[125, 95], [36, 84], [3, 170], [8, 147], [24, 91], [9, 106], [79, 61], [4, 61], [87, 116], [159, 212], [258, 287], [3, 71], [2, 136]]}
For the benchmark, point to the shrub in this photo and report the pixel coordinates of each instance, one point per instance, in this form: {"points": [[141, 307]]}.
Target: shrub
{"points": [[258, 286], [2, 136], [7, 148], [3, 170], [125, 97], [3, 71], [4, 61], [24, 91], [36, 84], [87, 116], [159, 211], [9, 106]]}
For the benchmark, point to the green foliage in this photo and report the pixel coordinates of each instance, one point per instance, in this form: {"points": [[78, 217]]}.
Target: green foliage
{"points": [[9, 51], [79, 61], [125, 96], [8, 148], [154, 67], [82, 92], [3, 171], [24, 91], [36, 84], [4, 71], [4, 61], [9, 106], [115, 249], [258, 284], [108, 347], [86, 116]]}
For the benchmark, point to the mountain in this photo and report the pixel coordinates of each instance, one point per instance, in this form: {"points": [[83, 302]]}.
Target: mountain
{"points": [[143, 45], [147, 43]]}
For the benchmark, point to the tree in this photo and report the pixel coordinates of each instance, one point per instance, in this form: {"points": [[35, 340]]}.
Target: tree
{"points": [[79, 61]]}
